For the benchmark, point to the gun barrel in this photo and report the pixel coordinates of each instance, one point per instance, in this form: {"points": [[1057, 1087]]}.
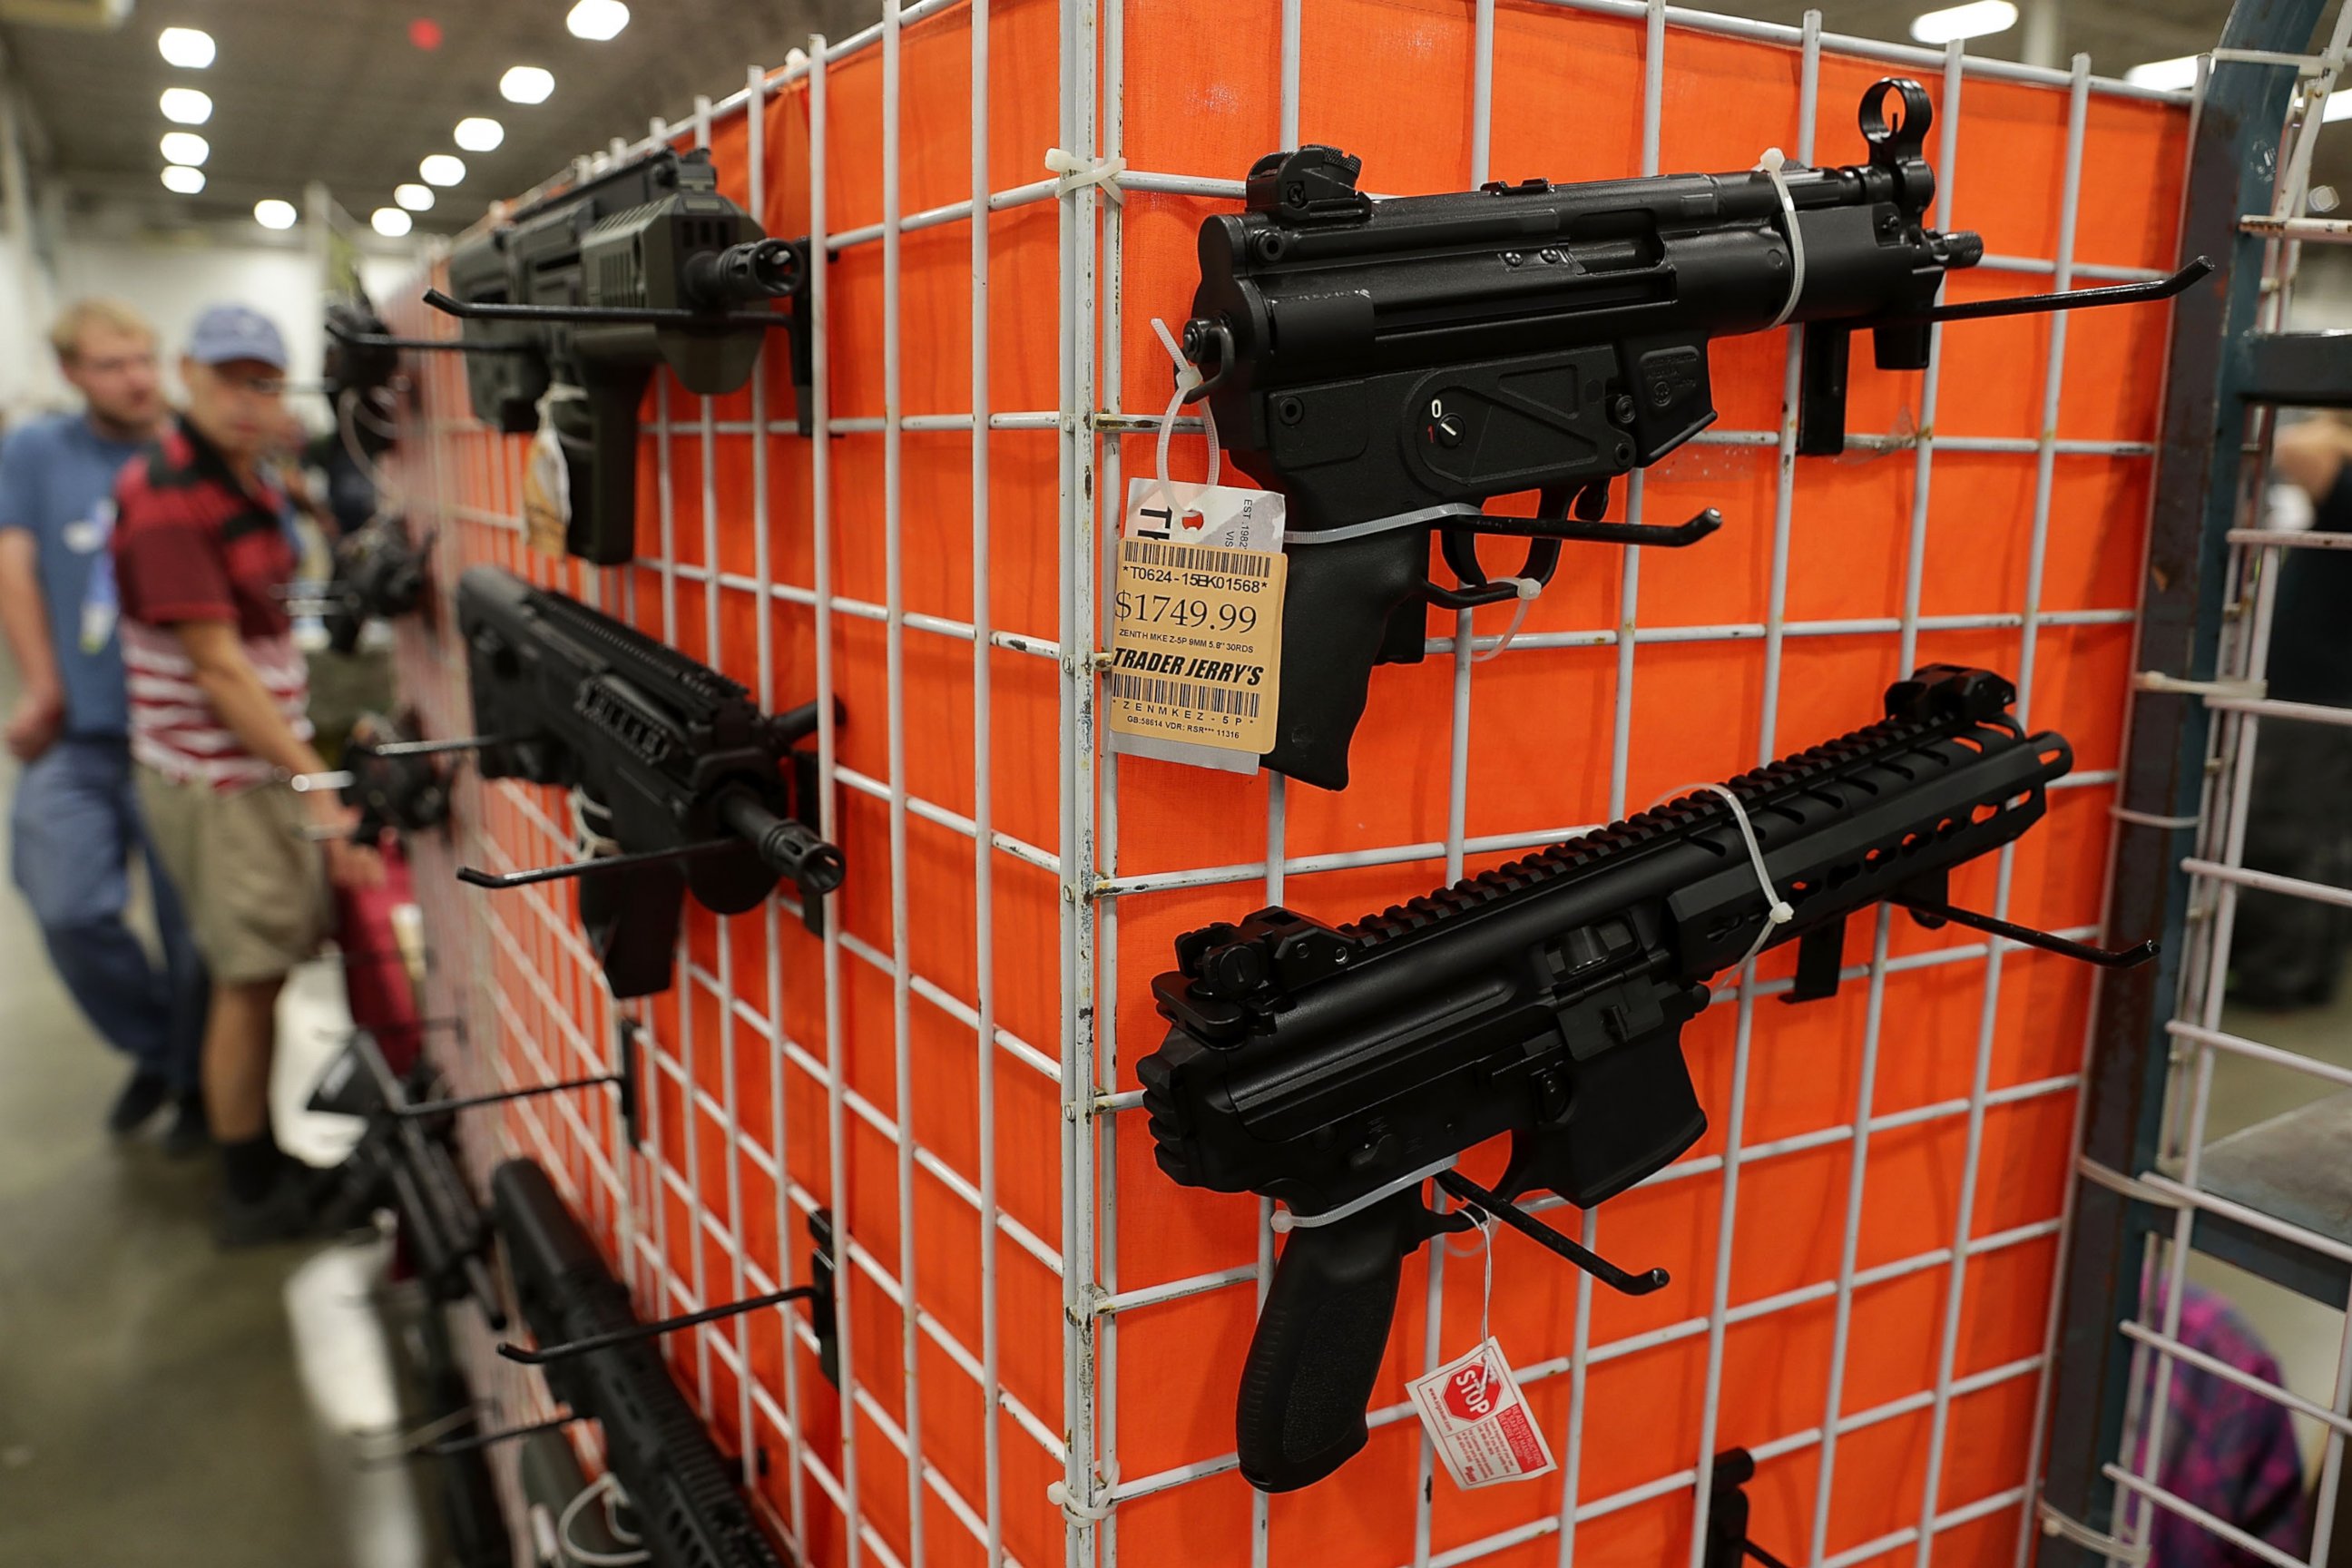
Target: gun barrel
{"points": [[784, 846], [743, 274]]}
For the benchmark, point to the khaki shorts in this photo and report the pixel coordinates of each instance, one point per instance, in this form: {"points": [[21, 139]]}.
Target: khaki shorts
{"points": [[253, 886]]}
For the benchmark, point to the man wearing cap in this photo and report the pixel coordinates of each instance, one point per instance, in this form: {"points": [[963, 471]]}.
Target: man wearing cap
{"points": [[218, 695], [75, 821]]}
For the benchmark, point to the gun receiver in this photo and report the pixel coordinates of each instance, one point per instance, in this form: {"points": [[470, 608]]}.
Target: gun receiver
{"points": [[1334, 1069], [1393, 365], [592, 289], [674, 763], [688, 1513]]}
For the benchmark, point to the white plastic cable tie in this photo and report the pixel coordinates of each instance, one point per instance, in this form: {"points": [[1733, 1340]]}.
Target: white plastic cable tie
{"points": [[2149, 819], [1095, 1513], [593, 842], [1778, 911], [2115, 1181], [1771, 165], [604, 1486], [1076, 173], [1188, 376], [1285, 1221], [2098, 1543], [1527, 588], [2176, 686]]}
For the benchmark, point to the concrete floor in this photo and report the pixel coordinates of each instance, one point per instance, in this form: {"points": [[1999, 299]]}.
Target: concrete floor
{"points": [[160, 1401]]}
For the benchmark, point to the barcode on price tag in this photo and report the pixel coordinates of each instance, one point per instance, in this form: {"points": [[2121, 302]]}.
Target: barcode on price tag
{"points": [[1196, 673], [1478, 1421]]}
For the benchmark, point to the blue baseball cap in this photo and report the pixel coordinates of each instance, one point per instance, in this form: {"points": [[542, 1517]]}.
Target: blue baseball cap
{"points": [[227, 332]]}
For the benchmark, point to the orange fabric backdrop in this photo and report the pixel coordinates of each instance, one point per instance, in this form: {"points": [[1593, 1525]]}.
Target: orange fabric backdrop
{"points": [[739, 1096]]}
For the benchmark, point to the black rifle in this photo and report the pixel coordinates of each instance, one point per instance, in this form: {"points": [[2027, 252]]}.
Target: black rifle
{"points": [[408, 1163], [593, 287], [671, 761], [1391, 366], [682, 1499], [1335, 1068]]}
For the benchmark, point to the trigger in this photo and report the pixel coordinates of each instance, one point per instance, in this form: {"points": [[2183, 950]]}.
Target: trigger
{"points": [[1592, 503]]}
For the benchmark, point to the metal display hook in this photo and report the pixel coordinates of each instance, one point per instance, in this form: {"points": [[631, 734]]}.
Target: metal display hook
{"points": [[2180, 282], [1544, 1236], [610, 315], [818, 1293], [343, 335]]}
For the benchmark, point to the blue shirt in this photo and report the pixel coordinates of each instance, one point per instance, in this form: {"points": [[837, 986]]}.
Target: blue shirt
{"points": [[56, 482]]}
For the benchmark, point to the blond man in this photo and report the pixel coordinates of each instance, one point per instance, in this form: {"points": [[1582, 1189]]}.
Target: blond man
{"points": [[75, 824]]}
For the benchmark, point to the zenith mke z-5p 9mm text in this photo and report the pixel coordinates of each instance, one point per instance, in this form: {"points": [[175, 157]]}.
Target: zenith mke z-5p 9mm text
{"points": [[588, 290], [1337, 1069], [678, 778], [1392, 365]]}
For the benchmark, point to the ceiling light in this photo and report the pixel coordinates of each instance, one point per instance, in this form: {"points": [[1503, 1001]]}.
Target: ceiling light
{"points": [[2173, 74], [184, 181], [526, 84], [190, 48], [441, 169], [185, 147], [1974, 20], [2323, 199], [477, 133], [389, 222], [2338, 107], [271, 213], [597, 20], [416, 199], [187, 106]]}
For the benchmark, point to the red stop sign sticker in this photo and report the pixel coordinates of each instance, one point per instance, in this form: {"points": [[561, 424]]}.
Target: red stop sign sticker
{"points": [[1475, 1393]]}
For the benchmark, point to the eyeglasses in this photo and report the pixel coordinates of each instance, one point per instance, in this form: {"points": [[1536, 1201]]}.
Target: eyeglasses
{"points": [[268, 387]]}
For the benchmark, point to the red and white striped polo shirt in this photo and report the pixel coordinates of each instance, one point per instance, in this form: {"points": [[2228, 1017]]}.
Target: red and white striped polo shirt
{"points": [[192, 543]]}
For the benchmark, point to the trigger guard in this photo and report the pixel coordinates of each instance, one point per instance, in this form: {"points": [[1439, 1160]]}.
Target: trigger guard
{"points": [[1475, 589]]}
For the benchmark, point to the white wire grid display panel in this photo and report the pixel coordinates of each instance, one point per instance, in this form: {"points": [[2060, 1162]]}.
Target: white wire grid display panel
{"points": [[534, 986], [2258, 556]]}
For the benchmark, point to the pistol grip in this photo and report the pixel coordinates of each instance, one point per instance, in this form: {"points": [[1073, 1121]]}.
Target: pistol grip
{"points": [[603, 529], [1321, 1336], [1335, 619]]}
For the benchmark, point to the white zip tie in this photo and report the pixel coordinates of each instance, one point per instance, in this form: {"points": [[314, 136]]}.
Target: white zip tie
{"points": [[594, 843], [1188, 376], [1771, 166], [1780, 913], [1094, 1512], [2145, 819], [1285, 1221], [2176, 686], [2100, 1544], [1076, 173], [1527, 588]]}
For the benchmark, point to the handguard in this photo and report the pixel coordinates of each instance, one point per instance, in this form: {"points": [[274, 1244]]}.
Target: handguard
{"points": [[1545, 1000]]}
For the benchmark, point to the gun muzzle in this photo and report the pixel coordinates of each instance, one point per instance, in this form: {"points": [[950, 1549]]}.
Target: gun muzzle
{"points": [[743, 274], [783, 845]]}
